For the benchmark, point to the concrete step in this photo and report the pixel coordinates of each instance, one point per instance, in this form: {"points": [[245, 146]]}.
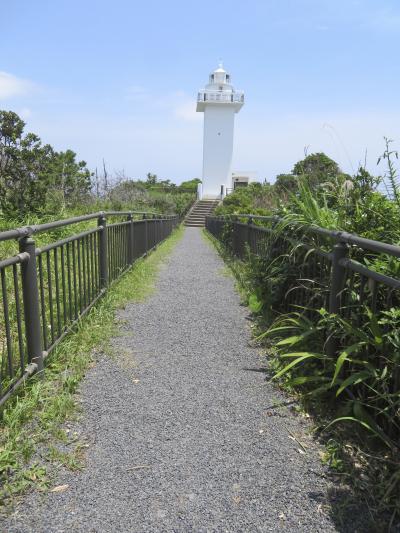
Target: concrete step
{"points": [[199, 212]]}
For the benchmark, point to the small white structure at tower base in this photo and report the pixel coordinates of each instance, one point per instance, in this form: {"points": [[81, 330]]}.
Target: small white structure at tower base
{"points": [[219, 102], [242, 178]]}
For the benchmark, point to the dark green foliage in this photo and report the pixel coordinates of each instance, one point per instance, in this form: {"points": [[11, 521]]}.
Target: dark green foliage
{"points": [[151, 179], [24, 168], [286, 183], [37, 182], [354, 387], [316, 170], [127, 192], [256, 198], [135, 195], [33, 174], [71, 179], [189, 185], [319, 168], [391, 178]]}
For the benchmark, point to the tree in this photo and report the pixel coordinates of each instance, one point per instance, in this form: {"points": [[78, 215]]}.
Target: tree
{"points": [[70, 177], [127, 192], [151, 179], [25, 168], [286, 183], [317, 168], [191, 184], [31, 174]]}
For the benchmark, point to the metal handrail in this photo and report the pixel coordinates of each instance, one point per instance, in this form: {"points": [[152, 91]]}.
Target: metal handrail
{"points": [[45, 291], [38, 228], [220, 96], [315, 268], [337, 235]]}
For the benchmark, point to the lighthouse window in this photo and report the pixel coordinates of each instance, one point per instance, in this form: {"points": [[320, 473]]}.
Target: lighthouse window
{"points": [[212, 77], [220, 87], [227, 77]]}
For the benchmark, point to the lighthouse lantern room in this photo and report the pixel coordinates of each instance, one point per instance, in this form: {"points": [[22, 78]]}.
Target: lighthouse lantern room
{"points": [[219, 102]]}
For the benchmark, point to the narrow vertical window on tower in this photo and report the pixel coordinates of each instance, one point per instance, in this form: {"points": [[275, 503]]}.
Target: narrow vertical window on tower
{"points": [[219, 103]]}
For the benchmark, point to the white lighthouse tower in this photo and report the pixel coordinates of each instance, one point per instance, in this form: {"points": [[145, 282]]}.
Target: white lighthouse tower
{"points": [[219, 102]]}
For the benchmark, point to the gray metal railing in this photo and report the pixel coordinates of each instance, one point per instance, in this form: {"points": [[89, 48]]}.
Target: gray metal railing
{"points": [[303, 270], [323, 268], [46, 290], [339, 263]]}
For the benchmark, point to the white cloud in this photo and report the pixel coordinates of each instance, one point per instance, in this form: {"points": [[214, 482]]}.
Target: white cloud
{"points": [[11, 86], [181, 104], [187, 111]]}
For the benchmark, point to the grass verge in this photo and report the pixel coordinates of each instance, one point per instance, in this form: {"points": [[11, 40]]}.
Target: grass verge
{"points": [[233, 268], [32, 420]]}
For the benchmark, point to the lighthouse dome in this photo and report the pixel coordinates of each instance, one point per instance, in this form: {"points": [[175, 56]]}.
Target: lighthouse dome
{"points": [[220, 78], [219, 91]]}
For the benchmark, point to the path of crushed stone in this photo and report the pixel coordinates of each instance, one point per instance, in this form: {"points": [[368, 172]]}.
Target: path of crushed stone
{"points": [[186, 435]]}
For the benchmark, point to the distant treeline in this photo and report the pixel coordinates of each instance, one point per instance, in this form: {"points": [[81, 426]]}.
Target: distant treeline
{"points": [[37, 180]]}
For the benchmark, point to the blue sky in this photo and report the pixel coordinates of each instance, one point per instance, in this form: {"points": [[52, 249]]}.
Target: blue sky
{"points": [[118, 80]]}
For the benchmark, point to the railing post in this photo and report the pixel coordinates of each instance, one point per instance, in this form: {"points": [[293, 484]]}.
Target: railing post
{"points": [[30, 293], [146, 236], [103, 251], [130, 253], [249, 230], [338, 276], [155, 231], [338, 279], [234, 236]]}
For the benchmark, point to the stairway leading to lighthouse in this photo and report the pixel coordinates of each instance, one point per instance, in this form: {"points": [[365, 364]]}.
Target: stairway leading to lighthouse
{"points": [[197, 215]]}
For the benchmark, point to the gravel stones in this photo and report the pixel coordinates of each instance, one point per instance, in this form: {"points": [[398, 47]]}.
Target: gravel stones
{"points": [[186, 434]]}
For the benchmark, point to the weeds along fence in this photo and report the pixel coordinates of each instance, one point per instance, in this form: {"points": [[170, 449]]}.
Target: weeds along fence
{"points": [[46, 290], [333, 269], [304, 269]]}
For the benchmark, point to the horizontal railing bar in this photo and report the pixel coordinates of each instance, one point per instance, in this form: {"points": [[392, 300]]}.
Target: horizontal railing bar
{"points": [[38, 228], [14, 234], [73, 324], [368, 244], [318, 251], [127, 213], [60, 223], [76, 237], [119, 224], [339, 236], [355, 266], [20, 258], [29, 371], [263, 229], [122, 255]]}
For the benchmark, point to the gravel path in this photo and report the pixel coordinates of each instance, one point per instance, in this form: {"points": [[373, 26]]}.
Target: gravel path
{"points": [[186, 435]]}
